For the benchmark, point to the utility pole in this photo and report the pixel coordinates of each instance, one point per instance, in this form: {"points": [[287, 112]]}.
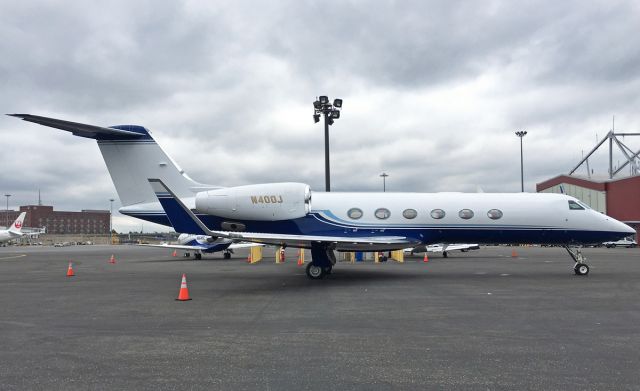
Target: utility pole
{"points": [[7, 214], [111, 220], [384, 176], [521, 134]]}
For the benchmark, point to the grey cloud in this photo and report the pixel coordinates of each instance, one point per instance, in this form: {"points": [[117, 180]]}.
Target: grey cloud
{"points": [[433, 90]]}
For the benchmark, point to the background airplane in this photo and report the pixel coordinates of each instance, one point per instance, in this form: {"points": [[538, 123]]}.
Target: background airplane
{"points": [[14, 231], [442, 248], [202, 244]]}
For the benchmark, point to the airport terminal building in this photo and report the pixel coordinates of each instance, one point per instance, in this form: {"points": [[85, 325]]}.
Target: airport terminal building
{"points": [[85, 222], [617, 197]]}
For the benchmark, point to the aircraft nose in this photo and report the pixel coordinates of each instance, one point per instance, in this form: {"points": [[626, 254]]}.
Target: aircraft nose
{"points": [[623, 228], [629, 230]]}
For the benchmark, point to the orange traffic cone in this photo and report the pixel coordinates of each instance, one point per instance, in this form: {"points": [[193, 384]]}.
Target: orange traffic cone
{"points": [[70, 272], [300, 261], [514, 254], [426, 258], [175, 253], [249, 257], [112, 260], [184, 291]]}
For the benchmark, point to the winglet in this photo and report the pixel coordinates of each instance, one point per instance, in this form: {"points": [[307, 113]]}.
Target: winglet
{"points": [[181, 217]]}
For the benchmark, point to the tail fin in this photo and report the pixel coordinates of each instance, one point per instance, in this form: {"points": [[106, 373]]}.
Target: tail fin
{"points": [[131, 156], [16, 227]]}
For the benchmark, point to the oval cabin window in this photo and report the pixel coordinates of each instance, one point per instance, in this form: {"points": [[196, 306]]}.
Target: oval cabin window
{"points": [[382, 213], [410, 213], [465, 214], [494, 214], [354, 213], [437, 213]]}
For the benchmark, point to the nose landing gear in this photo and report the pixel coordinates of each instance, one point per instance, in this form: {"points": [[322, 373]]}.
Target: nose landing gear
{"points": [[580, 268]]}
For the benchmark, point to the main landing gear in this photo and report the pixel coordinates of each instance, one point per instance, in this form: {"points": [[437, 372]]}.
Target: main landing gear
{"points": [[226, 255], [580, 268], [322, 261]]}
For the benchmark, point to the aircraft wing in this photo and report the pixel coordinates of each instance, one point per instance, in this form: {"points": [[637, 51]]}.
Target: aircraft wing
{"points": [[232, 246], [175, 246], [438, 248], [184, 220]]}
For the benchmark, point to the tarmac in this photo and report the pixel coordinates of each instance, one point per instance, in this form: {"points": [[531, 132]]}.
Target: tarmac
{"points": [[480, 320]]}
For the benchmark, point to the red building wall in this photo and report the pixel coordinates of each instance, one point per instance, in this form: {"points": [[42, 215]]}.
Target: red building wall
{"points": [[623, 199]]}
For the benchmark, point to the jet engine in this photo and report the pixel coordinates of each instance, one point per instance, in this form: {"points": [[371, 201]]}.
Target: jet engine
{"points": [[264, 202]]}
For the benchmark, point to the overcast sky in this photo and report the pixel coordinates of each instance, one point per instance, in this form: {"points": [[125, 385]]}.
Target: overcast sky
{"points": [[433, 91]]}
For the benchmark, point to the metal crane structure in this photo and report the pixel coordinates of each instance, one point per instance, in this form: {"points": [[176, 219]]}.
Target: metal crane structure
{"points": [[632, 158]]}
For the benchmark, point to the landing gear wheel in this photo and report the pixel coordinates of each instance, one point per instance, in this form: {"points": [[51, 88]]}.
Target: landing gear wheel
{"points": [[581, 269], [327, 270], [197, 256], [445, 255], [227, 256], [187, 255], [315, 272]]}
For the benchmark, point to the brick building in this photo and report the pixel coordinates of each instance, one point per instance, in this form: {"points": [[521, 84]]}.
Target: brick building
{"points": [[618, 198], [94, 222]]}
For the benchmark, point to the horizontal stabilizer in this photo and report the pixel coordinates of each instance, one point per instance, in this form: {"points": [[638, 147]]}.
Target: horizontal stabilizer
{"points": [[88, 131]]}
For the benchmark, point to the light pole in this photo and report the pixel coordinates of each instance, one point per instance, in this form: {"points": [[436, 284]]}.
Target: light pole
{"points": [[384, 176], [330, 112], [111, 219], [521, 134], [6, 216]]}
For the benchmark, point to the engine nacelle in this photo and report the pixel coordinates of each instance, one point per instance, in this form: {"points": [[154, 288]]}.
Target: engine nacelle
{"points": [[265, 202]]}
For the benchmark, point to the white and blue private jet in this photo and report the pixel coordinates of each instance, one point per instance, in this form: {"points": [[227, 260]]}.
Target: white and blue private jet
{"points": [[290, 214]]}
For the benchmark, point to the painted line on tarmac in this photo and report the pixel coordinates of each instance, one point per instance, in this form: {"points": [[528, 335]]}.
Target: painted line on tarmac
{"points": [[13, 257]]}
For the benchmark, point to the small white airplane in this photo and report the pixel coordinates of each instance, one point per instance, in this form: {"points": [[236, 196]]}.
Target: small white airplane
{"points": [[289, 214], [442, 248], [14, 231], [199, 244]]}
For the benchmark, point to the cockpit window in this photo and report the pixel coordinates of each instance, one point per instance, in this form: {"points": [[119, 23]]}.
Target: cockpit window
{"points": [[584, 205], [575, 206]]}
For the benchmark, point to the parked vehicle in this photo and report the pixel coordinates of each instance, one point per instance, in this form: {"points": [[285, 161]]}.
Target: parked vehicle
{"points": [[626, 242]]}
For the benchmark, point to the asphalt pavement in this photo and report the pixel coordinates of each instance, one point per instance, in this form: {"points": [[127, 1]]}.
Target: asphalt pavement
{"points": [[478, 320]]}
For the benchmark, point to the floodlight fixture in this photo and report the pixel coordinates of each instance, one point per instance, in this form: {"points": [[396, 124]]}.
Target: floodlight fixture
{"points": [[337, 103], [335, 114], [324, 99], [316, 118]]}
